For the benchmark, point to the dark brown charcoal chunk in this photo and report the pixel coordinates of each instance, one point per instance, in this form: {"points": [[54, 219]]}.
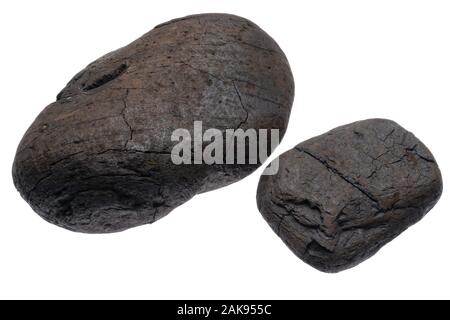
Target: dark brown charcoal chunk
{"points": [[338, 198], [98, 159]]}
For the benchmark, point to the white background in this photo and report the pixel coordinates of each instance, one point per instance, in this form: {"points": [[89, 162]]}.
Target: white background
{"points": [[351, 60]]}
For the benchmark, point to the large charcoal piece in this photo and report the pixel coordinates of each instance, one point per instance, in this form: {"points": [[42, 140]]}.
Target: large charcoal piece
{"points": [[99, 158], [338, 198]]}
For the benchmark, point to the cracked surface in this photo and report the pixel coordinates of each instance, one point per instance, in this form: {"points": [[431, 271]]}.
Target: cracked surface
{"points": [[98, 158], [338, 198]]}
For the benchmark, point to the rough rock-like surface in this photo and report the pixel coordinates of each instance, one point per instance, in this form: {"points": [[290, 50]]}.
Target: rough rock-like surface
{"points": [[98, 159], [338, 198]]}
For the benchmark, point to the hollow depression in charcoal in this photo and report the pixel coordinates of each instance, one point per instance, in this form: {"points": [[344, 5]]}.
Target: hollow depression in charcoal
{"points": [[338, 198], [99, 158]]}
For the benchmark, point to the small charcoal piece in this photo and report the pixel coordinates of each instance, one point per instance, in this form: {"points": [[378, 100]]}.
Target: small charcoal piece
{"points": [[339, 197], [98, 159]]}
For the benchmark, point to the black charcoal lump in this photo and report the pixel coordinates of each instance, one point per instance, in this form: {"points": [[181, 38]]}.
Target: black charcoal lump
{"points": [[98, 159], [339, 197]]}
